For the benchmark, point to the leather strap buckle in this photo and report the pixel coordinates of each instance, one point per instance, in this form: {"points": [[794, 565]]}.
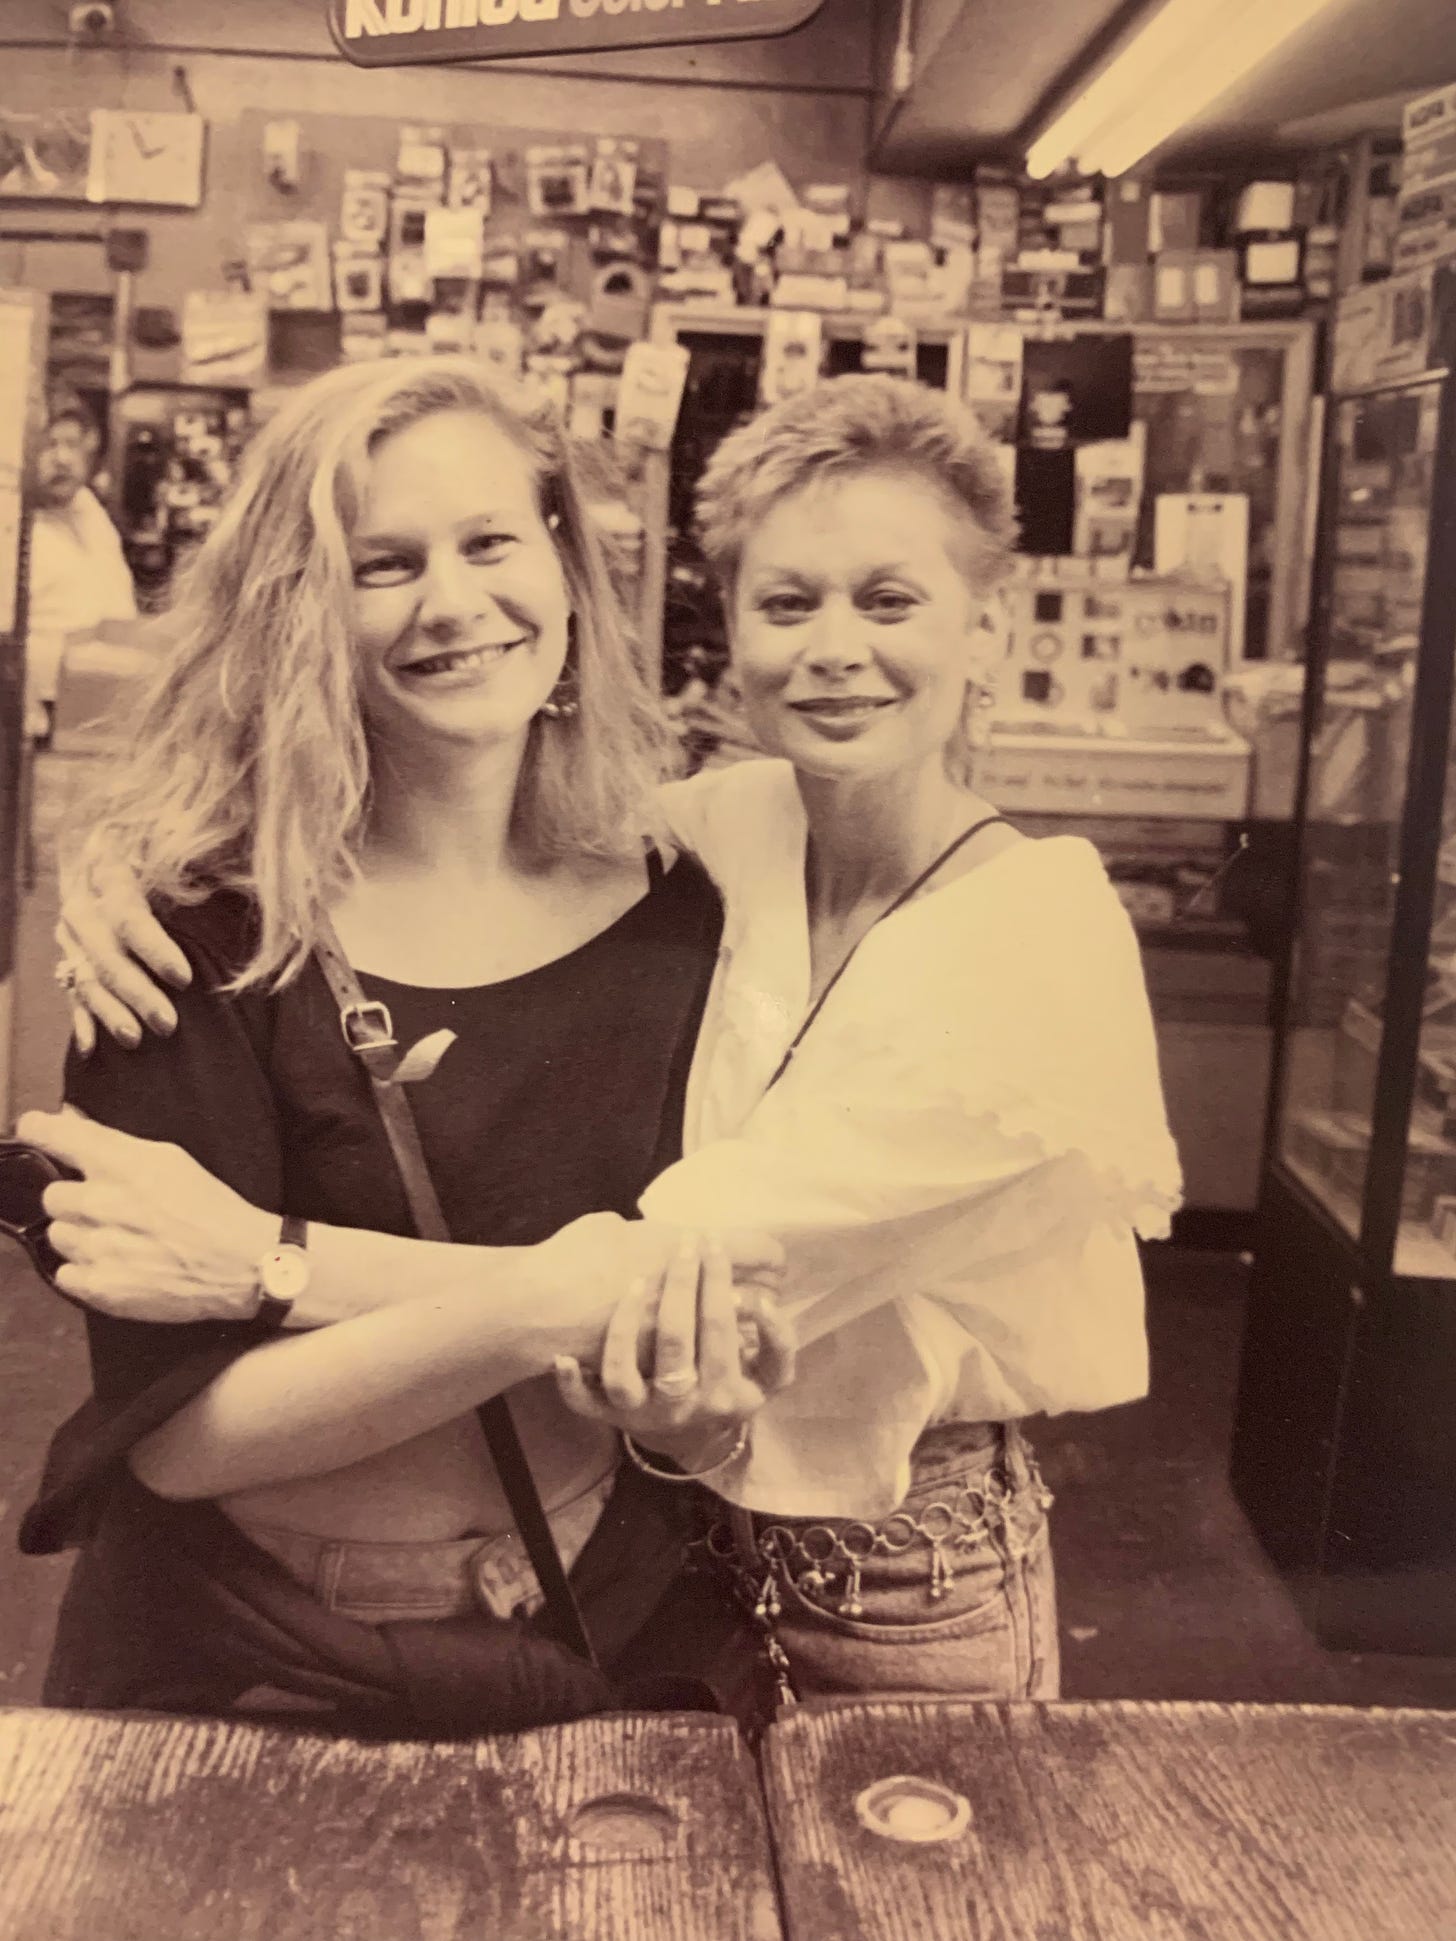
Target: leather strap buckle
{"points": [[367, 1026]]}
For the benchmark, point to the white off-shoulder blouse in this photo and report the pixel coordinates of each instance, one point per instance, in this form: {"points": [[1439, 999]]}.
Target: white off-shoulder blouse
{"points": [[957, 1158]]}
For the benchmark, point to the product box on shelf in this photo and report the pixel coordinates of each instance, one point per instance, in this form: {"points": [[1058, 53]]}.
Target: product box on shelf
{"points": [[1387, 332]]}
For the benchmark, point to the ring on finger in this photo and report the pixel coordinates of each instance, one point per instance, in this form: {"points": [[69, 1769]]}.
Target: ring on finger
{"points": [[69, 974], [679, 1383]]}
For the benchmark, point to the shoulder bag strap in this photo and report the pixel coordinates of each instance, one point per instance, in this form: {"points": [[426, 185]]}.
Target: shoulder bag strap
{"points": [[369, 1033]]}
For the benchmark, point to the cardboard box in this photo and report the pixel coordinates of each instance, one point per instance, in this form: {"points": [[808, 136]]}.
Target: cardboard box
{"points": [[1425, 243], [1129, 293], [1198, 286], [1429, 164], [1429, 118], [1433, 203], [1177, 221], [1387, 332], [1127, 213]]}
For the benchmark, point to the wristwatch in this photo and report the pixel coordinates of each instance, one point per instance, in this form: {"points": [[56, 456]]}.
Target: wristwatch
{"points": [[283, 1273]]}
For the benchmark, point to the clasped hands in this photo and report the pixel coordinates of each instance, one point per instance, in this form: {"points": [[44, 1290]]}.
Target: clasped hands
{"points": [[684, 1329]]}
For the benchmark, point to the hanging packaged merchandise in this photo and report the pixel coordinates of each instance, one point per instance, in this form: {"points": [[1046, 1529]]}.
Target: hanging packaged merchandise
{"points": [[993, 377], [613, 179], [500, 266], [454, 243], [793, 346], [450, 330], [282, 156], [224, 337], [549, 380], [358, 277], [650, 395], [364, 207], [557, 179], [558, 328], [801, 292], [1108, 479], [543, 265], [612, 238], [909, 272], [605, 354], [420, 160], [889, 346], [621, 299], [364, 336], [953, 214], [830, 202], [471, 181], [288, 264], [409, 276], [500, 343], [592, 397]]}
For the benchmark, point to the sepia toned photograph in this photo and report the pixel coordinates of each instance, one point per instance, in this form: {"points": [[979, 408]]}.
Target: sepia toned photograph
{"points": [[728, 970]]}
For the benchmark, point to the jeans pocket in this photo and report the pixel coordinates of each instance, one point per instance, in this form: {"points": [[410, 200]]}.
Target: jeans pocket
{"points": [[1000, 1645]]}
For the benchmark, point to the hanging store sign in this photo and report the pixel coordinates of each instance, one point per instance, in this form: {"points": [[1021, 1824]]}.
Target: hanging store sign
{"points": [[392, 33]]}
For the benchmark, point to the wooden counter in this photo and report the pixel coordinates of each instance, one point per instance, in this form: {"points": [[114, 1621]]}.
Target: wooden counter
{"points": [[1122, 1822], [142, 1829]]}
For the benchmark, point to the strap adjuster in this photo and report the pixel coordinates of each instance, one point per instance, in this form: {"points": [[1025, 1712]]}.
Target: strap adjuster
{"points": [[367, 1026]]}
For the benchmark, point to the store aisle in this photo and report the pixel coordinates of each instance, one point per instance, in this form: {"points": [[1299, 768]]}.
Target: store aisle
{"points": [[1165, 1592]]}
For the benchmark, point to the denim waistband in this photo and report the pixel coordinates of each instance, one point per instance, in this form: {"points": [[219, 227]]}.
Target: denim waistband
{"points": [[377, 1583], [988, 1464]]}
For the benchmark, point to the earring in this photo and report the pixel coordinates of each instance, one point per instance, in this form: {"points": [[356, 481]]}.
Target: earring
{"points": [[564, 701], [975, 716]]}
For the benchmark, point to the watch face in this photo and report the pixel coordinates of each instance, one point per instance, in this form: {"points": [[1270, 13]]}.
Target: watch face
{"points": [[284, 1273]]}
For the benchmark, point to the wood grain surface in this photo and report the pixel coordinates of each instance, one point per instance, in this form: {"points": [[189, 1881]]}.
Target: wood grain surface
{"points": [[1122, 1822], [147, 1829]]}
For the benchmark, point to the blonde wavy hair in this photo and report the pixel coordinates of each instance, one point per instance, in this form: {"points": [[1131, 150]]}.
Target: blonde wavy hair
{"points": [[248, 766], [843, 426]]}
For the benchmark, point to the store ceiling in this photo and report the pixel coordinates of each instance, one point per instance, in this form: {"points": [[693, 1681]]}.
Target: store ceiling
{"points": [[995, 68]]}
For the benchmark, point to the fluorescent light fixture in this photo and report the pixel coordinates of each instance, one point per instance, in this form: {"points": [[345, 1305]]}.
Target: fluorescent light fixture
{"points": [[1187, 55]]}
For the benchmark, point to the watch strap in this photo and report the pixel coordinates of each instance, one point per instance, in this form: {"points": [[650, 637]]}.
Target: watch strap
{"points": [[272, 1312]]}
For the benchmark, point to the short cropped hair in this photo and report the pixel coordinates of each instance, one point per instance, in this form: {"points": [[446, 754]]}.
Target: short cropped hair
{"points": [[846, 425]]}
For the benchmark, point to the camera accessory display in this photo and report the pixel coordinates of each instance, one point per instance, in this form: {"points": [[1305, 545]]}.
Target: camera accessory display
{"points": [[1132, 722]]}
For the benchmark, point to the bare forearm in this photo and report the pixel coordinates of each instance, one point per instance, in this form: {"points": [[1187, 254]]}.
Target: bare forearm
{"points": [[354, 1272], [308, 1404]]}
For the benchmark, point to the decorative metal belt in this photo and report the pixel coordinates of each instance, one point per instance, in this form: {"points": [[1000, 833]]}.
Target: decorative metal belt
{"points": [[825, 1561]]}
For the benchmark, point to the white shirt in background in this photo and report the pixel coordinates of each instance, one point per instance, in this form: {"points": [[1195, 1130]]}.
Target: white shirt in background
{"points": [[78, 578], [957, 1159]]}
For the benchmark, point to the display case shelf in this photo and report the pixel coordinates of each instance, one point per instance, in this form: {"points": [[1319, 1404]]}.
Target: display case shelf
{"points": [[1347, 1402]]}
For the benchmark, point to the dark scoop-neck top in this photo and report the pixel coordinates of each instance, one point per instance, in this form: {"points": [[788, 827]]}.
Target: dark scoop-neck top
{"points": [[563, 1093]]}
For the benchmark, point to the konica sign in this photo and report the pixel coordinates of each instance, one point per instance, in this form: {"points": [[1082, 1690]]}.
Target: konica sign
{"points": [[390, 33]]}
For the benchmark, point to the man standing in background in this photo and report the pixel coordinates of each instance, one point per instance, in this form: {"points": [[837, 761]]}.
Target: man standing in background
{"points": [[79, 577]]}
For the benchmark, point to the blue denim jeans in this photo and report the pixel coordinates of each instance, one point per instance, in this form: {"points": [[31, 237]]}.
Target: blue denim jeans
{"points": [[951, 1594]]}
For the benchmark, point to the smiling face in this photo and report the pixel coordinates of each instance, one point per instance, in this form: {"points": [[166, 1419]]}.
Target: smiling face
{"points": [[460, 606], [855, 628]]}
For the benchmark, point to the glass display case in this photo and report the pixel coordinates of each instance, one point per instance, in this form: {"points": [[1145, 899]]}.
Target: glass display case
{"points": [[1345, 1439]]}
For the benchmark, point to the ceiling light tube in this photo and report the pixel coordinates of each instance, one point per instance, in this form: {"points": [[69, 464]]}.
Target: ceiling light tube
{"points": [[1188, 54]]}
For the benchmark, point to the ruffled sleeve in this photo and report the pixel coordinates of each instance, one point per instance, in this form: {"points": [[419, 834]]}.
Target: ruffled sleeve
{"points": [[970, 1133]]}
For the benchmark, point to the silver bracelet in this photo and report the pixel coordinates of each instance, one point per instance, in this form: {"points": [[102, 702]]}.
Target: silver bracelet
{"points": [[740, 1443]]}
